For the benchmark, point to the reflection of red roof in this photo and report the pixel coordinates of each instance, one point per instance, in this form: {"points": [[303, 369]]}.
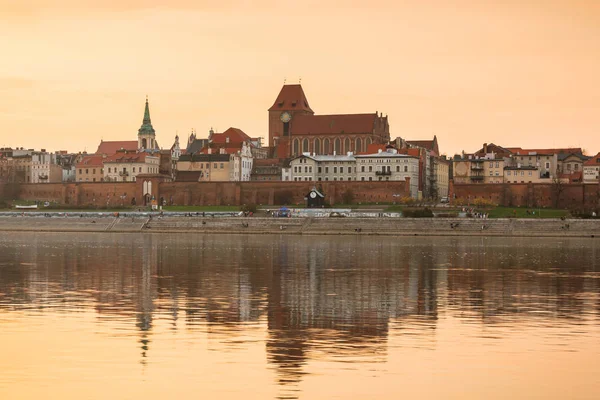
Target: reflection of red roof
{"points": [[593, 161], [333, 124], [235, 135], [90, 161], [291, 97], [127, 157], [525, 152], [111, 147]]}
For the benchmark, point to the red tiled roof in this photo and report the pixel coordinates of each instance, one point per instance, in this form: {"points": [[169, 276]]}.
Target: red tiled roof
{"points": [[235, 135], [333, 124], [111, 147], [410, 152], [520, 151], [595, 160], [291, 97], [374, 148], [127, 157], [90, 161]]}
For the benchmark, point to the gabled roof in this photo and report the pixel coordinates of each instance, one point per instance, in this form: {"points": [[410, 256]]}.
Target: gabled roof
{"points": [[291, 97], [593, 161], [333, 124], [235, 135], [564, 156], [111, 147], [430, 145], [90, 161], [493, 148]]}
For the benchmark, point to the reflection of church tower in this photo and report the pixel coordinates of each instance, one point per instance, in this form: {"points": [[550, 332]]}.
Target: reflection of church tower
{"points": [[146, 133]]}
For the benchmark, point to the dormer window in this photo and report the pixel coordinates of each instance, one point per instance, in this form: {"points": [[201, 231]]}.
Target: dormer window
{"points": [[280, 104], [293, 104]]}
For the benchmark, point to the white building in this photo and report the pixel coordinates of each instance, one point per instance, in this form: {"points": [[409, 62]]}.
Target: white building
{"points": [[311, 167], [591, 170], [388, 165], [240, 164], [44, 168], [125, 165]]}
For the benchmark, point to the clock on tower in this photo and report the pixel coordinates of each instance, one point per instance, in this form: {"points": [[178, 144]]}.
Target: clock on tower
{"points": [[285, 117]]}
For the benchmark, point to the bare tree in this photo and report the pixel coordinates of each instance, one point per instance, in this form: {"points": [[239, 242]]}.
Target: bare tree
{"points": [[558, 187]]}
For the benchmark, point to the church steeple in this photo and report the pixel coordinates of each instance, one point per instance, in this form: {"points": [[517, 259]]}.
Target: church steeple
{"points": [[146, 128], [146, 133]]}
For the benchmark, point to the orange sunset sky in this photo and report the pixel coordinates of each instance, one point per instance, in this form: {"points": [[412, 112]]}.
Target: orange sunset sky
{"points": [[516, 73]]}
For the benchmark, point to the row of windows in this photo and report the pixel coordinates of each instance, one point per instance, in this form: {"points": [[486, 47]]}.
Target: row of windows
{"points": [[308, 169], [308, 178], [114, 170], [327, 147], [516, 173]]}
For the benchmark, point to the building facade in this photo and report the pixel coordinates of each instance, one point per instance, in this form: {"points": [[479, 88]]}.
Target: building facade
{"points": [[125, 166], [591, 170], [382, 166], [210, 167], [44, 168], [90, 169]]}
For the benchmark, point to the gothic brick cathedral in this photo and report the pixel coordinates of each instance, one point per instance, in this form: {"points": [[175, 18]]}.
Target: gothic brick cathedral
{"points": [[294, 128]]}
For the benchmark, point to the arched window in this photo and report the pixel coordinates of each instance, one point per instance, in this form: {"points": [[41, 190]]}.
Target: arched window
{"points": [[358, 147], [347, 145], [369, 141], [305, 145], [337, 145], [326, 146], [317, 146], [296, 147]]}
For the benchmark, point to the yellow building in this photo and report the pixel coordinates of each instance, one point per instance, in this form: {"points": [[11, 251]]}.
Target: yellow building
{"points": [[210, 167], [90, 169]]}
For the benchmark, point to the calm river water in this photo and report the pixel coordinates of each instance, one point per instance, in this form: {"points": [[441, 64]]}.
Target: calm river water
{"points": [[157, 316]]}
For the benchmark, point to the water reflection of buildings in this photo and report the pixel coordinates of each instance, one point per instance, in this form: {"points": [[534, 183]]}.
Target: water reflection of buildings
{"points": [[321, 299]]}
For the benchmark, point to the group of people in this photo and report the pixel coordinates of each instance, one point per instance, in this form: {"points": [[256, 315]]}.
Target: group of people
{"points": [[475, 214]]}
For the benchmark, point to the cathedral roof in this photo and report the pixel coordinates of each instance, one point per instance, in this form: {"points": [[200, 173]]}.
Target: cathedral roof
{"points": [[333, 124], [146, 128], [291, 97]]}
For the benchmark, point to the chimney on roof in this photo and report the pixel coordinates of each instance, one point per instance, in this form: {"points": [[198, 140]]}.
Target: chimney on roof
{"points": [[485, 148]]}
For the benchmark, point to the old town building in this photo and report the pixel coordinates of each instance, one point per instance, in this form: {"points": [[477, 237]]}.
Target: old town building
{"points": [[389, 165], [125, 166], [90, 169], [204, 167], [295, 129], [591, 170], [44, 168], [384, 165]]}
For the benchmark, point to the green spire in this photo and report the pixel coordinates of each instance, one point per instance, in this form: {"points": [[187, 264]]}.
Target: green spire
{"points": [[146, 128]]}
